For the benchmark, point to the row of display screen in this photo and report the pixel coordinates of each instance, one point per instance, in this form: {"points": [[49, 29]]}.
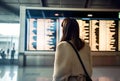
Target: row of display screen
{"points": [[44, 34], [98, 28]]}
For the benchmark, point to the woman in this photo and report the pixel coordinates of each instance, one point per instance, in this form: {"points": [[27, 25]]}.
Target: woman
{"points": [[66, 61]]}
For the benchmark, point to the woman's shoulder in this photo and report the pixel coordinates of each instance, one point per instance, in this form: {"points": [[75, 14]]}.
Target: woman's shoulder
{"points": [[62, 43]]}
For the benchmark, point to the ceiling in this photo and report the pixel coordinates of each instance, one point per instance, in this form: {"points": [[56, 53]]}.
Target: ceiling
{"points": [[10, 9]]}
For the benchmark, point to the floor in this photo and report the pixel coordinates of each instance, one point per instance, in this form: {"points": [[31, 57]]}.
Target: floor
{"points": [[16, 73]]}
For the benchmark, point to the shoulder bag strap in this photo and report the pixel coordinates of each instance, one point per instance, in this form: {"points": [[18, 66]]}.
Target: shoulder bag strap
{"points": [[79, 58]]}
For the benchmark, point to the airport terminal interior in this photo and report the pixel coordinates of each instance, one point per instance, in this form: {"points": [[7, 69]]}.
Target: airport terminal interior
{"points": [[31, 29]]}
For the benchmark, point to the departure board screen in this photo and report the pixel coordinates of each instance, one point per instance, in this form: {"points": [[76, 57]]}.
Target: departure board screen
{"points": [[104, 35], [44, 29], [101, 35], [41, 34]]}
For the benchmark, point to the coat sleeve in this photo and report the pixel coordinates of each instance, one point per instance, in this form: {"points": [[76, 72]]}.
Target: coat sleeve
{"points": [[90, 61], [62, 63]]}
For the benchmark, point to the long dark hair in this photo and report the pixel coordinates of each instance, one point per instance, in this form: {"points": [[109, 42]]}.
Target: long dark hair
{"points": [[71, 32]]}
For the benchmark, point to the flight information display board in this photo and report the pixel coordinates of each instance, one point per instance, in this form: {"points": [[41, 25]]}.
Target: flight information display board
{"points": [[41, 34], [44, 29], [102, 35]]}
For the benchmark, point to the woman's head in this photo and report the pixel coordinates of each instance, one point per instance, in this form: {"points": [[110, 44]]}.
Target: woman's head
{"points": [[71, 32], [70, 29]]}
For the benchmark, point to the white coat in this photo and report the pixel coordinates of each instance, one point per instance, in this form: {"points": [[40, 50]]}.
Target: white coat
{"points": [[67, 63]]}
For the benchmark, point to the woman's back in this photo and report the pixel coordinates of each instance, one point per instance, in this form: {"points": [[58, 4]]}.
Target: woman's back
{"points": [[67, 62]]}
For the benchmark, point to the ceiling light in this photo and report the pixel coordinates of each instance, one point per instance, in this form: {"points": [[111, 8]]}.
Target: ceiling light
{"points": [[89, 15]]}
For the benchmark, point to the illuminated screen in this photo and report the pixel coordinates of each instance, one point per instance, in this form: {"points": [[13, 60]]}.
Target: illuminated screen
{"points": [[119, 15], [102, 35], [44, 29], [41, 34]]}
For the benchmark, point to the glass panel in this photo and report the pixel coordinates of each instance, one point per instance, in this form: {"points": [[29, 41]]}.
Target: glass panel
{"points": [[9, 38]]}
